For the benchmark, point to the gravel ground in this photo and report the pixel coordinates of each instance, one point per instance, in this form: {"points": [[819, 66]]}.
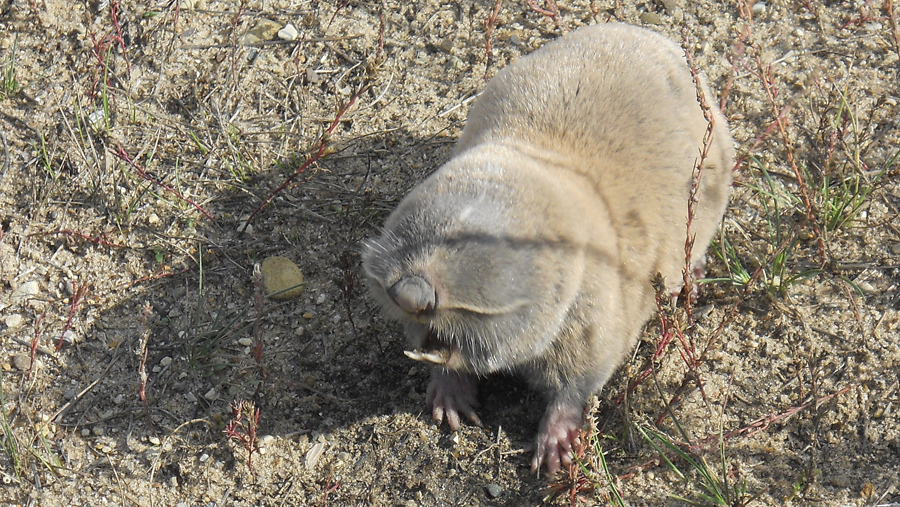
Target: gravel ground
{"points": [[138, 138]]}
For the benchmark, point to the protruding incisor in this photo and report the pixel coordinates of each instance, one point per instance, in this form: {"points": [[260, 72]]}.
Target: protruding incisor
{"points": [[413, 294], [438, 357]]}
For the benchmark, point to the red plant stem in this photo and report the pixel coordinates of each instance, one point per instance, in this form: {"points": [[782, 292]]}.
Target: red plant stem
{"points": [[80, 293], [789, 150], [120, 152], [34, 341], [157, 276], [97, 240], [489, 25], [552, 11], [114, 13], [380, 49], [319, 153]]}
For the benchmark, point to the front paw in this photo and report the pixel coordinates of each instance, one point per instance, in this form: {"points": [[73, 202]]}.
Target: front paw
{"points": [[451, 394], [558, 437]]}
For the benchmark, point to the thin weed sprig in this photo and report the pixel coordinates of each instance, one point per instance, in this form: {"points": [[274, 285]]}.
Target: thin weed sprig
{"points": [[321, 150], [80, 292], [243, 427], [120, 152], [143, 351], [9, 85], [489, 24]]}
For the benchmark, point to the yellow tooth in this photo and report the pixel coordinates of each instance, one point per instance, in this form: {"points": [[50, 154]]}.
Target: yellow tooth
{"points": [[427, 357]]}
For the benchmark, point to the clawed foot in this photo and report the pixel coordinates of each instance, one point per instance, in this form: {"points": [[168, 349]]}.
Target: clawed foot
{"points": [[559, 435], [451, 394]]}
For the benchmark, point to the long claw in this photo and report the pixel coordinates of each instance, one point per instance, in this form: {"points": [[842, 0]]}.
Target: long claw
{"points": [[451, 394], [559, 434]]}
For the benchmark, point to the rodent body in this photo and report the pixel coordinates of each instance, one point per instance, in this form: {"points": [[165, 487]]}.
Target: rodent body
{"points": [[533, 248]]}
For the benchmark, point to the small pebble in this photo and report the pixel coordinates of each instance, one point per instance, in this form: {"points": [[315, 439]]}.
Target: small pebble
{"points": [[313, 455], [85, 432], [320, 299], [204, 458], [289, 32], [265, 29], [445, 45], [69, 337], [494, 490], [895, 248], [95, 119], [166, 361], [245, 342], [14, 321], [281, 277], [25, 291], [650, 18], [758, 8], [865, 286], [119, 399], [153, 440], [21, 362], [313, 77], [211, 394], [840, 481]]}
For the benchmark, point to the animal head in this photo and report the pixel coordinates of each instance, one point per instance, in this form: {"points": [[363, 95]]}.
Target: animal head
{"points": [[460, 266]]}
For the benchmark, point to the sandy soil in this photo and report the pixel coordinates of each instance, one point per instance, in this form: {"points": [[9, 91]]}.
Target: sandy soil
{"points": [[138, 138]]}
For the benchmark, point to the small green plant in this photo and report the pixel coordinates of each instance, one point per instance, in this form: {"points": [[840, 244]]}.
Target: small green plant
{"points": [[779, 210], [841, 201], [738, 275], [615, 497], [9, 86], [45, 158], [237, 165], [8, 439], [712, 489]]}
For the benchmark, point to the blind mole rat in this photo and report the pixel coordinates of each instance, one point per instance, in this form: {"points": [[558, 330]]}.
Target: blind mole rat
{"points": [[533, 248]]}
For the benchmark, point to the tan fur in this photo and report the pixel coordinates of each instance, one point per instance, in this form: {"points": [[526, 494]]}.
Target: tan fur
{"points": [[532, 249]]}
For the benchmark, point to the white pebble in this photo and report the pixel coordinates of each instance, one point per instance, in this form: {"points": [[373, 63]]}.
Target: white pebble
{"points": [[14, 321], [313, 455], [25, 291], [288, 32]]}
